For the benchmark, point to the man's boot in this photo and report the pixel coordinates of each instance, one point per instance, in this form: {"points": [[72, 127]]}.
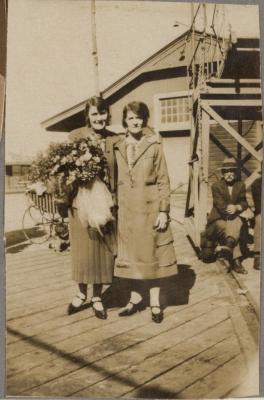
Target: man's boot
{"points": [[256, 264], [226, 253], [238, 267]]}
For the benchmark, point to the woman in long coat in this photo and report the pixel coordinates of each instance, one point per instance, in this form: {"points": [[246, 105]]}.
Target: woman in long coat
{"points": [[145, 242], [92, 254]]}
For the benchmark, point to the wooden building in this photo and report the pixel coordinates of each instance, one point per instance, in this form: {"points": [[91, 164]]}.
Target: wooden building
{"points": [[193, 69], [16, 173]]}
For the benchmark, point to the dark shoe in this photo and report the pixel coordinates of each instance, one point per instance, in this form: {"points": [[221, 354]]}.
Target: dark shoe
{"points": [[238, 267], [101, 314], [130, 310], [76, 304], [157, 317], [256, 264]]}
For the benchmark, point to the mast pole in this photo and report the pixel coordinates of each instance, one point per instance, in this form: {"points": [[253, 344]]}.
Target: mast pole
{"points": [[94, 48]]}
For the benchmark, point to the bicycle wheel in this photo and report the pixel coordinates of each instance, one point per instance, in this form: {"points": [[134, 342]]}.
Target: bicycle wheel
{"points": [[36, 228]]}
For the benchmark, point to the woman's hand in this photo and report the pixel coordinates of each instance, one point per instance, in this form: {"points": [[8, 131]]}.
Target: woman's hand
{"points": [[162, 221]]}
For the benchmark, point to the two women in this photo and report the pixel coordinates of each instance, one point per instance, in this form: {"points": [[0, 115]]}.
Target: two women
{"points": [[145, 243]]}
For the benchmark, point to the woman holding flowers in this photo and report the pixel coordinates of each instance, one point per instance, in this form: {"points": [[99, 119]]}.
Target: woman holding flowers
{"points": [[91, 225], [145, 242]]}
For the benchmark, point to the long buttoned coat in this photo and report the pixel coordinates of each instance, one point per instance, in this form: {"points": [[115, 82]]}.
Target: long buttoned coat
{"points": [[143, 191], [93, 255]]}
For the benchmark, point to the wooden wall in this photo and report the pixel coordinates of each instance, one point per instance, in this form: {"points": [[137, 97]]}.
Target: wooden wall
{"points": [[250, 131]]}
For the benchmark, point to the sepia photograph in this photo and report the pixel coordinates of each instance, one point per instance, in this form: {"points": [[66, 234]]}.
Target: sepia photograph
{"points": [[132, 203]]}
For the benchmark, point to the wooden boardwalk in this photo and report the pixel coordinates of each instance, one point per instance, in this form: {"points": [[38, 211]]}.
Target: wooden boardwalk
{"points": [[204, 348]]}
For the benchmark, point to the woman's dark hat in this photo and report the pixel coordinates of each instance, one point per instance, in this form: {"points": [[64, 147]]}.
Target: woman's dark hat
{"points": [[229, 163]]}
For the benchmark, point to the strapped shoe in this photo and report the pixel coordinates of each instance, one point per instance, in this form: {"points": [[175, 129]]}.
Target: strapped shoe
{"points": [[130, 309], [76, 304], [99, 313], [156, 316]]}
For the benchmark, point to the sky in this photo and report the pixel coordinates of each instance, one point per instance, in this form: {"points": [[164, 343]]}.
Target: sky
{"points": [[49, 62]]}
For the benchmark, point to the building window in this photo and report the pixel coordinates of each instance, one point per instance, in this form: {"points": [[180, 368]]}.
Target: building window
{"points": [[172, 111], [16, 169], [9, 170], [175, 110]]}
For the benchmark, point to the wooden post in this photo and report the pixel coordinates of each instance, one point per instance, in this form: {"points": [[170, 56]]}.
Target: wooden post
{"points": [[239, 146], [204, 170], [204, 69], [196, 203], [3, 20], [94, 49], [192, 46], [189, 202]]}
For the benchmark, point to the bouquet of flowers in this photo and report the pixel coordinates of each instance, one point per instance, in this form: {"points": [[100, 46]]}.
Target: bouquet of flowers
{"points": [[78, 164]]}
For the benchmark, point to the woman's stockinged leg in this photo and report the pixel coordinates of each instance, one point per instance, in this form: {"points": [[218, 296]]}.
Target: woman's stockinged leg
{"points": [[133, 305], [135, 297], [98, 306], [154, 294], [156, 312], [97, 293], [83, 288]]}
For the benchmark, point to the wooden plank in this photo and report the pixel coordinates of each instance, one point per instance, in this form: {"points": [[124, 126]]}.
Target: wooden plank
{"points": [[28, 306], [228, 90], [31, 266], [248, 49], [81, 378], [214, 80], [140, 374], [219, 382], [45, 278], [50, 336], [169, 384], [249, 348], [14, 298], [232, 131], [38, 279], [74, 344], [250, 179], [234, 103], [34, 254]]}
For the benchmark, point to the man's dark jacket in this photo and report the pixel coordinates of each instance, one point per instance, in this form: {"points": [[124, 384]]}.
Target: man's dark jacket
{"points": [[222, 198]]}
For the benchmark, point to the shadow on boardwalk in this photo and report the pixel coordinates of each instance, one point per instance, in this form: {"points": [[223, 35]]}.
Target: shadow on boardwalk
{"points": [[175, 290]]}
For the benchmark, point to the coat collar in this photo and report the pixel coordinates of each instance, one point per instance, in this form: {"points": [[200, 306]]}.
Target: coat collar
{"points": [[226, 191], [149, 137]]}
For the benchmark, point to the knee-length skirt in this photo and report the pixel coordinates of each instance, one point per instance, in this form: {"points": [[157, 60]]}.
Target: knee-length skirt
{"points": [[92, 254]]}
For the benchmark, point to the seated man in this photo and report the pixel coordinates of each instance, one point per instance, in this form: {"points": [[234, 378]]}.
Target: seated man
{"points": [[224, 222], [256, 195]]}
